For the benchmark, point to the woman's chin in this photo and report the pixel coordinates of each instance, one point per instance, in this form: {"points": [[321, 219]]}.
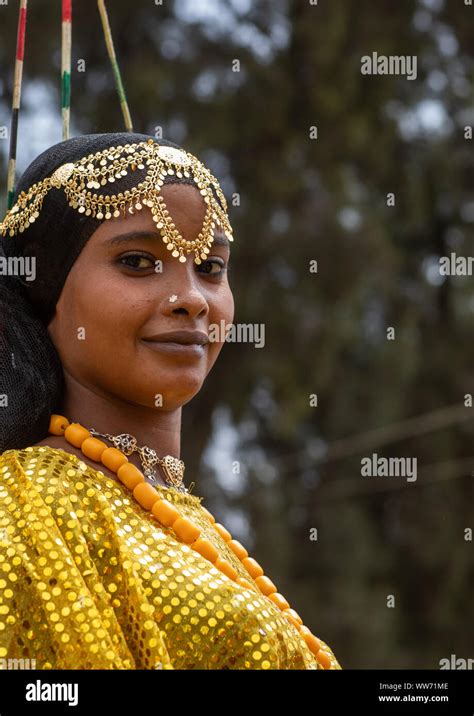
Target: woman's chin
{"points": [[171, 391]]}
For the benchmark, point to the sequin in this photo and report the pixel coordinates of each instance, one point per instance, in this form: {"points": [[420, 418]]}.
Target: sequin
{"points": [[90, 580]]}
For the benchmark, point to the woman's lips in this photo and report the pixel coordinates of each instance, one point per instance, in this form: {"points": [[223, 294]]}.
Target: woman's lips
{"points": [[191, 350]]}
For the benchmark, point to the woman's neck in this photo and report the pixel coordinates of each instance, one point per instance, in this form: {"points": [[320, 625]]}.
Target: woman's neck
{"points": [[154, 427]]}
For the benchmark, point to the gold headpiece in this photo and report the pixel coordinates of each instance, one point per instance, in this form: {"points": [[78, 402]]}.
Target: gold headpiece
{"points": [[81, 179]]}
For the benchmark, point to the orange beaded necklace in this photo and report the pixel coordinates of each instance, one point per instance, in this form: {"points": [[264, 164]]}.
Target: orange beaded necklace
{"points": [[146, 495]]}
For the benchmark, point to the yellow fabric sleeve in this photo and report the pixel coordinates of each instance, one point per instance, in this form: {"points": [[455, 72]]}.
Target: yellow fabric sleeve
{"points": [[90, 580]]}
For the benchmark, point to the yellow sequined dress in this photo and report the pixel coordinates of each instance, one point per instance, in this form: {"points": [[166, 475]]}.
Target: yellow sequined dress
{"points": [[90, 580]]}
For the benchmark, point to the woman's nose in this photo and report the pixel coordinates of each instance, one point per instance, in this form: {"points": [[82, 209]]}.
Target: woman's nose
{"points": [[185, 295]]}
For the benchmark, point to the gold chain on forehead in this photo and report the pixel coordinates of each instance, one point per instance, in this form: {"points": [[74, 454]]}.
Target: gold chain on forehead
{"points": [[81, 180]]}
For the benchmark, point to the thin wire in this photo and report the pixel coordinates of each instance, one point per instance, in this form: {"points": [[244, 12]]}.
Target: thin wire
{"points": [[411, 427], [330, 491], [66, 27], [20, 52], [115, 67]]}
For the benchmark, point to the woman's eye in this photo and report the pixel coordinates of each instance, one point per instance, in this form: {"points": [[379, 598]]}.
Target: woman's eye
{"points": [[139, 262], [135, 261], [212, 268]]}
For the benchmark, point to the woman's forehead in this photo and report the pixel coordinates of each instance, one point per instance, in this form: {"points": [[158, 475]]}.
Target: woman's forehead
{"points": [[118, 232], [185, 204]]}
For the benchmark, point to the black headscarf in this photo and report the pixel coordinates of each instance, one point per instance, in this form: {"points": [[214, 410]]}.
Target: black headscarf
{"points": [[31, 375]]}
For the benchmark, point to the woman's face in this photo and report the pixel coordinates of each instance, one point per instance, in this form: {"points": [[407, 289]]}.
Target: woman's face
{"points": [[114, 298]]}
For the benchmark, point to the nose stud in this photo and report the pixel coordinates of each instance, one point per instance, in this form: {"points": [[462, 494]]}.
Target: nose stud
{"points": [[173, 298]]}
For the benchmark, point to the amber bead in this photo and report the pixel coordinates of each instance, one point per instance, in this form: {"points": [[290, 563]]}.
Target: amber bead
{"points": [[224, 566], [291, 618], [165, 512], [186, 530], [295, 615], [206, 549], [145, 494], [93, 448], [252, 567], [279, 600], [209, 514], [310, 639], [75, 434], [265, 585], [238, 549], [58, 424], [225, 534], [130, 475], [245, 583], [113, 459], [324, 658]]}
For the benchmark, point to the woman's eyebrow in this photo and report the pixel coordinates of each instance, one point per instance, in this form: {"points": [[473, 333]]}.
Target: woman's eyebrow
{"points": [[219, 239], [131, 235]]}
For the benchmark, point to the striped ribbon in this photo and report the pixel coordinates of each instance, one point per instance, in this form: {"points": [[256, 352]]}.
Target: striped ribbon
{"points": [[20, 51], [66, 65], [115, 67]]}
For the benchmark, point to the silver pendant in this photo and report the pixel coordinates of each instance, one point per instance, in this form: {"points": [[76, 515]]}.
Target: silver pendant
{"points": [[172, 467]]}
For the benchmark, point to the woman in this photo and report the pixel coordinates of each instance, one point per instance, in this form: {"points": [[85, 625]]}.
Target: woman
{"points": [[108, 561]]}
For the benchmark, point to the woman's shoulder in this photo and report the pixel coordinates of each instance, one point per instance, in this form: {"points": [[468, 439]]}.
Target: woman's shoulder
{"points": [[51, 441], [28, 465], [49, 456], [52, 450], [45, 447]]}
